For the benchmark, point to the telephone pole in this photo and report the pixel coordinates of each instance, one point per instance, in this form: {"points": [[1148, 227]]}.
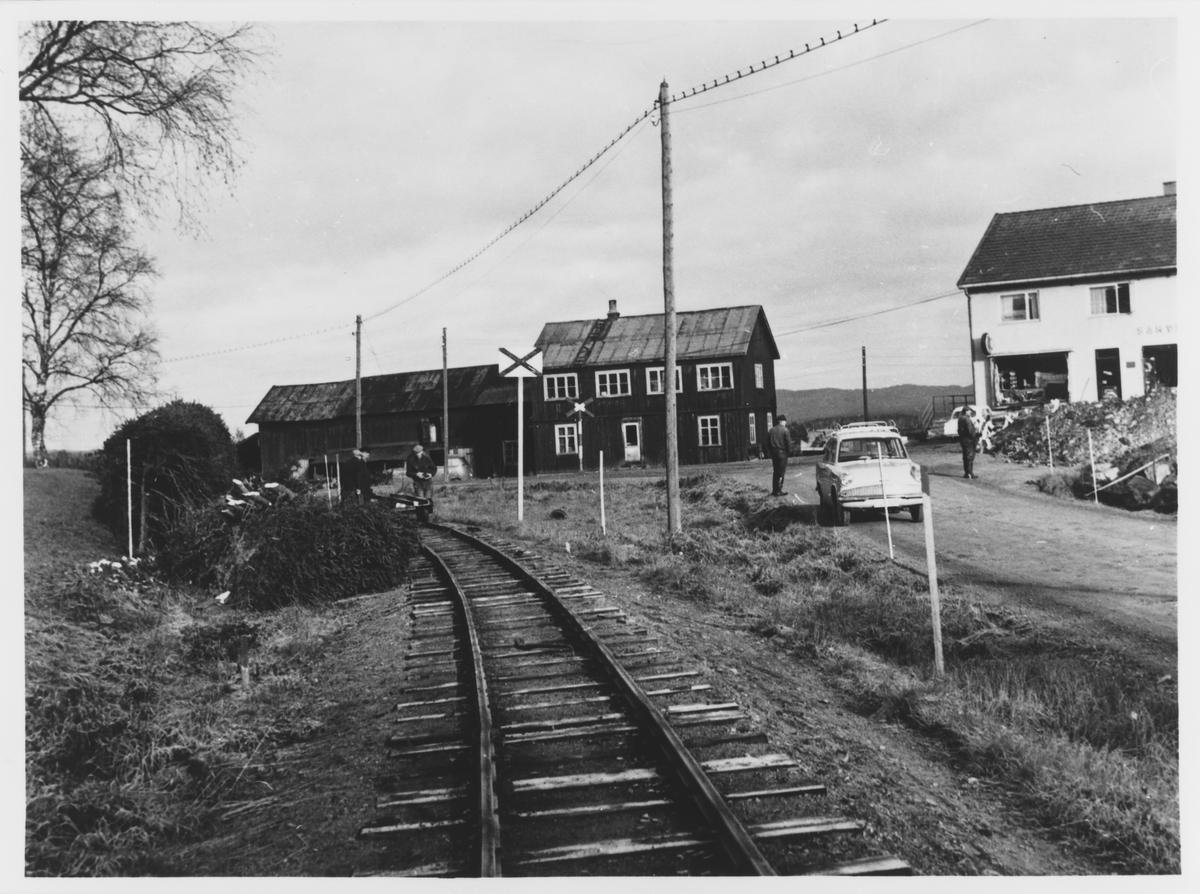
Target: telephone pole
{"points": [[866, 417], [358, 381], [445, 415], [674, 522]]}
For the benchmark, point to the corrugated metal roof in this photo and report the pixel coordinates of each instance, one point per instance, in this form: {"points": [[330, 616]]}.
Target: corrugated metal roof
{"points": [[408, 392], [723, 332], [1105, 237]]}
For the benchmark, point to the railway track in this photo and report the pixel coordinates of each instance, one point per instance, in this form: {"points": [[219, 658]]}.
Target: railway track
{"points": [[541, 733]]}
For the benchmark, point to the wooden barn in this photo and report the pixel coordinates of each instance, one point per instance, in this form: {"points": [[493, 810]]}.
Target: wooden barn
{"points": [[725, 381], [316, 422]]}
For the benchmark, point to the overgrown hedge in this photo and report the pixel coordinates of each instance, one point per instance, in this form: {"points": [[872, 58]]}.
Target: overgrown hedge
{"points": [[181, 454], [300, 552]]}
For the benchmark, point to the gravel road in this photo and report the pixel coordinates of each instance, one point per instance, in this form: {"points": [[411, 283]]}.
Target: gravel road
{"points": [[1091, 569]]}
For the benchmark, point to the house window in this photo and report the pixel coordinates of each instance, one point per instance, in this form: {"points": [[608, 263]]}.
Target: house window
{"points": [[714, 377], [654, 380], [565, 439], [510, 452], [564, 386], [770, 421], [710, 431], [428, 431], [753, 430], [612, 384], [758, 376], [1023, 306], [1111, 299]]}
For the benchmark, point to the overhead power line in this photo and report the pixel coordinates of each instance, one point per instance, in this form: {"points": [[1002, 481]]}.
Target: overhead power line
{"points": [[873, 313], [687, 94]]}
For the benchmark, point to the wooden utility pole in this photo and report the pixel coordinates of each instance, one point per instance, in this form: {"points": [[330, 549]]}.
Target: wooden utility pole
{"points": [[674, 522], [358, 381], [866, 417], [445, 414]]}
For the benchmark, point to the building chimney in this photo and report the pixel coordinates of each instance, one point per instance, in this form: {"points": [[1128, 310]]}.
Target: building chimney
{"points": [[1168, 190], [612, 309]]}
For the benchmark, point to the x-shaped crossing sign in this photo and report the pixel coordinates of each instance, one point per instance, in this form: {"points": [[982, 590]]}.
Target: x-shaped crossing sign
{"points": [[521, 367], [581, 408]]}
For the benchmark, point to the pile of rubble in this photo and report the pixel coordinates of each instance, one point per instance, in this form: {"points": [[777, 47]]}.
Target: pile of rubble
{"points": [[1125, 437]]}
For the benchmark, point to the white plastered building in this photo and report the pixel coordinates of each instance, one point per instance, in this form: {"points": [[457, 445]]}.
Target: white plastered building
{"points": [[1075, 303]]}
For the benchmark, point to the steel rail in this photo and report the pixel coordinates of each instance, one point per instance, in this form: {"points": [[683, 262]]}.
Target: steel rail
{"points": [[489, 822], [735, 840]]}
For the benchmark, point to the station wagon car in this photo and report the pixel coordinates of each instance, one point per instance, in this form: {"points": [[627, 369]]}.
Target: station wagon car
{"points": [[849, 473]]}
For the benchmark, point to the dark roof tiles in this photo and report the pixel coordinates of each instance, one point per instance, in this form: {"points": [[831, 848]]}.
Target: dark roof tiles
{"points": [[723, 332], [406, 392], [1078, 240]]}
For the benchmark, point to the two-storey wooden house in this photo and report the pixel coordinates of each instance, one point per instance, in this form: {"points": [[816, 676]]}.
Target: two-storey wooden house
{"points": [[602, 389]]}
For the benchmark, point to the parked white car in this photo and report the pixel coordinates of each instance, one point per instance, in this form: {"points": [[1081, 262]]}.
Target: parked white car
{"points": [[866, 466], [982, 415]]}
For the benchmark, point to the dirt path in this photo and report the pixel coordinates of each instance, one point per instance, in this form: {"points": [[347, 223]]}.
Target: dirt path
{"points": [[1098, 571]]}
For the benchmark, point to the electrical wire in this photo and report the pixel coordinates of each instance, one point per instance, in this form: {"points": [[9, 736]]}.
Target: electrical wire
{"points": [[863, 316], [643, 116], [829, 71]]}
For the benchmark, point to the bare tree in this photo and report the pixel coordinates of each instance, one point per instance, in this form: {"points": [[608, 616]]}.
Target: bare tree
{"points": [[83, 300], [155, 98]]}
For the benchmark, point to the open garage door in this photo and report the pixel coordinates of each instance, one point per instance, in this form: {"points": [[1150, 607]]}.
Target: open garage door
{"points": [[1023, 379]]}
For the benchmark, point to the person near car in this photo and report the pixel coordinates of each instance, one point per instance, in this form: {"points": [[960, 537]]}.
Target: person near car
{"points": [[357, 483], [779, 443], [968, 438], [420, 468]]}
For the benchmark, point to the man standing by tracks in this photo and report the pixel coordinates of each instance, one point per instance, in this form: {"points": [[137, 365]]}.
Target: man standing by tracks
{"points": [[779, 443], [421, 469], [357, 486]]}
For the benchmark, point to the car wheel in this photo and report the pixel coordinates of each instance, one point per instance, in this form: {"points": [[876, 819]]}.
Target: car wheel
{"points": [[917, 512], [841, 515]]}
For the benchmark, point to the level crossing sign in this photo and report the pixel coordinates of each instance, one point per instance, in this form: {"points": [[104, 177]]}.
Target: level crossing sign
{"points": [[581, 408], [525, 367]]}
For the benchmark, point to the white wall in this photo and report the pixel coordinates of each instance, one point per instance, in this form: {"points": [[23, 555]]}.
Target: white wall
{"points": [[1067, 324]]}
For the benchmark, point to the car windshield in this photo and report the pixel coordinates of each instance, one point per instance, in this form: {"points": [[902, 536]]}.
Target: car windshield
{"points": [[869, 448]]}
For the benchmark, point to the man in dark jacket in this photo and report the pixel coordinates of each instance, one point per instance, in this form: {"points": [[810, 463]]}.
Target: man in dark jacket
{"points": [[968, 436], [421, 469], [357, 483], [779, 443]]}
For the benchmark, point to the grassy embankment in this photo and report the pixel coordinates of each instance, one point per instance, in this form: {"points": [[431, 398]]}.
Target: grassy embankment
{"points": [[140, 737], [1087, 741]]}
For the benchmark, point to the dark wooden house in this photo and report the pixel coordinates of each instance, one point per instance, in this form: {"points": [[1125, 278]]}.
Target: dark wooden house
{"points": [[725, 384], [316, 422]]}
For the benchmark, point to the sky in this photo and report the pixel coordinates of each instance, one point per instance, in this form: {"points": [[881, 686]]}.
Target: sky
{"points": [[852, 181]]}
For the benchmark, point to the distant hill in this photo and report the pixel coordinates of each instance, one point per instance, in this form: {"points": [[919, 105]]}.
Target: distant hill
{"points": [[894, 401]]}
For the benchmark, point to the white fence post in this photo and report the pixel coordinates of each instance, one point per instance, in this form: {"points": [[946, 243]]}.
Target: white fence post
{"points": [[934, 600]]}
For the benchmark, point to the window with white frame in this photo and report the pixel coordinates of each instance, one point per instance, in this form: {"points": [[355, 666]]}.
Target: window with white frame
{"points": [[613, 384], [1111, 299], [563, 386], [758, 376], [753, 430], [655, 376], [1021, 306], [566, 439], [710, 431], [714, 377]]}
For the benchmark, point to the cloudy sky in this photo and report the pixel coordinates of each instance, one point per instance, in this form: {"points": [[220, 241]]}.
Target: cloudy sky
{"points": [[853, 181]]}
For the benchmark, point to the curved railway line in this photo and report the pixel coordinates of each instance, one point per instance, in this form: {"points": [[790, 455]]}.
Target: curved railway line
{"points": [[541, 733]]}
